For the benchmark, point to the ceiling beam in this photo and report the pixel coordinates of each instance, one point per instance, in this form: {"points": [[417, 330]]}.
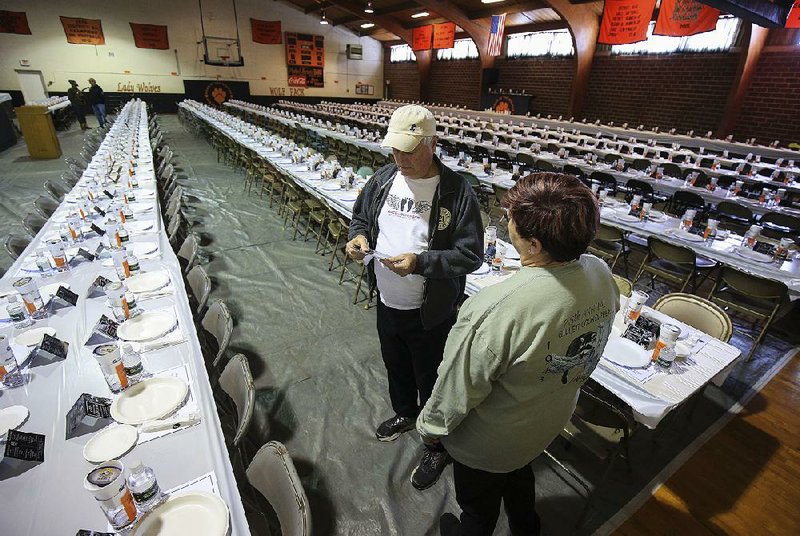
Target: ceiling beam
{"points": [[319, 6], [388, 10], [497, 9], [537, 27], [387, 22], [346, 19]]}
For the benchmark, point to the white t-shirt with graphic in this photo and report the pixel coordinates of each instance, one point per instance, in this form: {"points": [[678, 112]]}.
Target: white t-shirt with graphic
{"points": [[404, 228]]}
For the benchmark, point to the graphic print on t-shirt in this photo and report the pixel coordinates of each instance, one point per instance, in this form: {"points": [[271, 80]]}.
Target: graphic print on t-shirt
{"points": [[408, 206]]}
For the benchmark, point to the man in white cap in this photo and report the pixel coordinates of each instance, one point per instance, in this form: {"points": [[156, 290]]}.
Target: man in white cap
{"points": [[420, 224]]}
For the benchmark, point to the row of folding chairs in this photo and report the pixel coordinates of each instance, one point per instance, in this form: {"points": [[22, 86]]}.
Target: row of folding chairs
{"points": [[270, 471]]}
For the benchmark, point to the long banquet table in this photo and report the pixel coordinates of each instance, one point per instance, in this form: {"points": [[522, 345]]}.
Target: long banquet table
{"points": [[651, 393], [49, 497], [723, 251]]}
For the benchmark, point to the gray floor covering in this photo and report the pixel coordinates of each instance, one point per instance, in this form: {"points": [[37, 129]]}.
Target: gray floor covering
{"points": [[316, 361]]}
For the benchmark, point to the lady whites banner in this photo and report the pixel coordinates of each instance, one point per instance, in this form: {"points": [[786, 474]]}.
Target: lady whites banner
{"points": [[680, 18], [625, 21]]}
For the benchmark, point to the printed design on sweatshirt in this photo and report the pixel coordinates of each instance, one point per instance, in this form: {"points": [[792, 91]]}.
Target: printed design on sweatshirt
{"points": [[444, 218], [584, 351]]}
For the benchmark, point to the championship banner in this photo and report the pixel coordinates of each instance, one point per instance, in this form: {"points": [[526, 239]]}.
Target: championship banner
{"points": [[625, 21], [681, 18], [266, 32], [215, 92], [14, 22], [444, 35], [421, 38], [793, 20], [150, 36], [83, 31]]}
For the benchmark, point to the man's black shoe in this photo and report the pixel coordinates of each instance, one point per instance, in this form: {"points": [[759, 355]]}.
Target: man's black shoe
{"points": [[390, 429], [449, 525], [430, 467]]}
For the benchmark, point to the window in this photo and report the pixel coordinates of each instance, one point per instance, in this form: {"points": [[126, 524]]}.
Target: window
{"points": [[462, 49], [718, 40], [401, 53], [531, 44]]}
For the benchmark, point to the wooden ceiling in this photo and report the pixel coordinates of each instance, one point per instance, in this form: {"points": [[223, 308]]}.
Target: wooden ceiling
{"points": [[397, 14]]}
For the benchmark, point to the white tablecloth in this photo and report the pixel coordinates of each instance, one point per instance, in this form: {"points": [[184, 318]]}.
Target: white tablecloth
{"points": [[49, 498]]}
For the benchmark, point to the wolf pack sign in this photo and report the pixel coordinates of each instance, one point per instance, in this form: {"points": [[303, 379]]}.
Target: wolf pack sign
{"points": [[680, 18], [625, 21]]}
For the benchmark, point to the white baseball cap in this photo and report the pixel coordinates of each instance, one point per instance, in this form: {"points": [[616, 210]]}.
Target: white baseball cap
{"points": [[407, 126]]}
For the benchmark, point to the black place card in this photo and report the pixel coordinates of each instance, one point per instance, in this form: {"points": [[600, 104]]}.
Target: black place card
{"points": [[85, 532], [97, 286], [66, 296], [85, 254], [764, 247], [25, 446], [109, 194], [104, 330], [52, 348], [86, 406], [102, 213]]}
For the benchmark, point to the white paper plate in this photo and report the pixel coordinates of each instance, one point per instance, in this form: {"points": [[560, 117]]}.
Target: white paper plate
{"points": [[331, 187], [628, 218], [147, 326], [138, 226], [150, 399], [147, 282], [139, 208], [749, 254], [11, 418], [140, 249], [196, 513], [627, 353], [657, 217], [34, 336], [111, 443], [348, 197], [689, 237], [483, 270]]}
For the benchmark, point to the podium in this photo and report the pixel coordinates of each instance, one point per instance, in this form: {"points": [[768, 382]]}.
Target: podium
{"points": [[36, 123]]}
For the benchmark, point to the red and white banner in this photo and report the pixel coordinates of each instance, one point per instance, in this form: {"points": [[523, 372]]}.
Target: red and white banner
{"points": [[625, 21], [421, 38], [679, 18], [444, 35], [793, 20]]}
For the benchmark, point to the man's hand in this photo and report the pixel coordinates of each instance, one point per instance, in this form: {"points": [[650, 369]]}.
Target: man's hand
{"points": [[357, 247], [402, 265], [429, 440]]}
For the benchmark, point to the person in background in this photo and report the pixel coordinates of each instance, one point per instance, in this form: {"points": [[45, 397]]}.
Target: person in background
{"points": [[75, 97], [97, 100], [421, 223], [518, 354]]}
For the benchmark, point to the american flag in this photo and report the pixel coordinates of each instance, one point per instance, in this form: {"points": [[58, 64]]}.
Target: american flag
{"points": [[496, 34]]}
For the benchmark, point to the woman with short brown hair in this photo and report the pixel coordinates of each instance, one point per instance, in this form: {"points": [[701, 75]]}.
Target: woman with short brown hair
{"points": [[519, 352]]}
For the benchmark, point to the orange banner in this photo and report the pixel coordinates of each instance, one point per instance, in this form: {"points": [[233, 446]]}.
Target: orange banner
{"points": [[793, 20], [83, 31], [679, 18], [150, 36], [444, 35], [267, 32], [14, 22], [421, 38], [625, 21]]}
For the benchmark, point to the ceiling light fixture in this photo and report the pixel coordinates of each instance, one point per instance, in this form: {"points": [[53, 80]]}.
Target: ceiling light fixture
{"points": [[324, 20], [420, 14], [367, 25], [491, 1], [369, 9]]}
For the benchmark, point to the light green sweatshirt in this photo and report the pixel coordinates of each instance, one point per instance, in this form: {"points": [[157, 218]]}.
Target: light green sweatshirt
{"points": [[515, 360]]}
